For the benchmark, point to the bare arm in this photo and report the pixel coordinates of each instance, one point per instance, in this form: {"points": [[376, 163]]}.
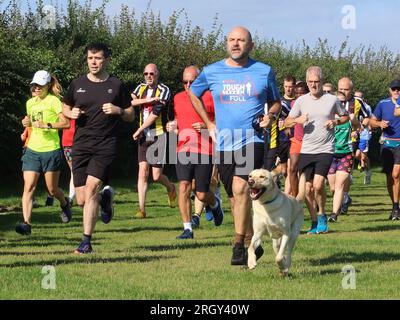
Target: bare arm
{"points": [[148, 122], [375, 123]]}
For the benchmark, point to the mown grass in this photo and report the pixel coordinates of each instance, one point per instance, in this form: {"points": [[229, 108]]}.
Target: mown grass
{"points": [[141, 259]]}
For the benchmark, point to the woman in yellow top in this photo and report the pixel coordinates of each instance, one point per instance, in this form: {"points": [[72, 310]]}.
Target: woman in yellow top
{"points": [[43, 153]]}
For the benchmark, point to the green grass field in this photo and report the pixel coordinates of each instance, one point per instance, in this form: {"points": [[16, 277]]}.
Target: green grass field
{"points": [[141, 259]]}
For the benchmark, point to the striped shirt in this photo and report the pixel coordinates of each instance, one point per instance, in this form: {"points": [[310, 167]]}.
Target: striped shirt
{"points": [[143, 91]]}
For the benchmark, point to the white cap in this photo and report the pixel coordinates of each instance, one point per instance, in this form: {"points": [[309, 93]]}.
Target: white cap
{"points": [[41, 78]]}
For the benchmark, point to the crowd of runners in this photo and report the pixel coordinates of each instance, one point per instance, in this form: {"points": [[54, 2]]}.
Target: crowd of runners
{"points": [[228, 119]]}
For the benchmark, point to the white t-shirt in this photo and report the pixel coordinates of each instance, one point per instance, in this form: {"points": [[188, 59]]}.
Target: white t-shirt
{"points": [[317, 138]]}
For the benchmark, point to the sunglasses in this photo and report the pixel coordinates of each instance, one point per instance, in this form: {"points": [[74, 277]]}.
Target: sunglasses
{"points": [[187, 82], [148, 73], [395, 89], [327, 91]]}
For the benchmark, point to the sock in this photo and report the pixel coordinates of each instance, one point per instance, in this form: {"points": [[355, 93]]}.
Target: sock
{"points": [[87, 238], [198, 214], [187, 225], [239, 238], [71, 189], [247, 238], [396, 206]]}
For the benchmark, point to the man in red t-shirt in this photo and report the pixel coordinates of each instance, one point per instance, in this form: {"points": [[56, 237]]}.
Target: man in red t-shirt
{"points": [[194, 154]]}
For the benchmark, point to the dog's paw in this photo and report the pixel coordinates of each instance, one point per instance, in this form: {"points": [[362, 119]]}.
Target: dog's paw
{"points": [[284, 273], [252, 265]]}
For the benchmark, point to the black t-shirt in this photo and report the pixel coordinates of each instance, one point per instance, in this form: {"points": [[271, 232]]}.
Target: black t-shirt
{"points": [[94, 125]]}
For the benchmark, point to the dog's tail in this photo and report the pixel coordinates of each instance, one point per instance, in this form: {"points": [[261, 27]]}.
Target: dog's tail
{"points": [[302, 188]]}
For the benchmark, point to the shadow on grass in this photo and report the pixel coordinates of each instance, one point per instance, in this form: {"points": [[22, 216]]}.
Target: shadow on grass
{"points": [[184, 246], [138, 229], [351, 257], [378, 204], [382, 228], [91, 259]]}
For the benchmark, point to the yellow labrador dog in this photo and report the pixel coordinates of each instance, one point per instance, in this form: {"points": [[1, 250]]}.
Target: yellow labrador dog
{"points": [[278, 214]]}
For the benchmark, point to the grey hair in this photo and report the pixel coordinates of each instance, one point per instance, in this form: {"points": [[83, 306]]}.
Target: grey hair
{"points": [[315, 70]]}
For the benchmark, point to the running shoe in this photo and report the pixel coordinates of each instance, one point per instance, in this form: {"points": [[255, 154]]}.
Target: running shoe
{"points": [[66, 213], [395, 214], [218, 213], [49, 201], [313, 228], [106, 204], [140, 214], [322, 226], [195, 221], [186, 234], [238, 255], [84, 248], [345, 205], [333, 217], [23, 228]]}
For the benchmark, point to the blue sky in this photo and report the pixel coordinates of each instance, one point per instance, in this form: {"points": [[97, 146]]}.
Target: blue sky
{"points": [[289, 21]]}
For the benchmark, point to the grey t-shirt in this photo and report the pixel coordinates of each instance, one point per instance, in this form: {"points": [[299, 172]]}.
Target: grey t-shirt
{"points": [[317, 138]]}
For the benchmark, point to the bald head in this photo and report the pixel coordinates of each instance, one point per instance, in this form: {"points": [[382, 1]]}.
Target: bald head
{"points": [[151, 74], [239, 44], [345, 85], [189, 75], [242, 31]]}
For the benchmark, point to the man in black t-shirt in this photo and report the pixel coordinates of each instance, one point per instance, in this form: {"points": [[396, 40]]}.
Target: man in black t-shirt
{"points": [[98, 102]]}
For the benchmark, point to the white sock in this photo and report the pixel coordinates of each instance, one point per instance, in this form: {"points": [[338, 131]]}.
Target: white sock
{"points": [[187, 225], [71, 189]]}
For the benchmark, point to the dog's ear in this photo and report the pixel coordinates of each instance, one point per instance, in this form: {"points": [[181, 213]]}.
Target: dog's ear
{"points": [[275, 175]]}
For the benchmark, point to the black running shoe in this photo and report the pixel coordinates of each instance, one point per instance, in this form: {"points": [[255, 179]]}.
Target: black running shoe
{"points": [[106, 204], [84, 248], [66, 212], [23, 228], [186, 234], [239, 256]]}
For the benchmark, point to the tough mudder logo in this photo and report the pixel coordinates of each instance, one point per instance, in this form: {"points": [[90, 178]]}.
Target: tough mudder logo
{"points": [[233, 92]]}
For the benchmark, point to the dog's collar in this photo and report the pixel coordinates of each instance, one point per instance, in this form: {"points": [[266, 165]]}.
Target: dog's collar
{"points": [[270, 201]]}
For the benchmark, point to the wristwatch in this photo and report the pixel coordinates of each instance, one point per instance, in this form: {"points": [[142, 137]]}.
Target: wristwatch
{"points": [[49, 126]]}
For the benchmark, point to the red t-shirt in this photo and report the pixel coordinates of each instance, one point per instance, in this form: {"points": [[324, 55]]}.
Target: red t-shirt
{"points": [[68, 134], [189, 140], [298, 128]]}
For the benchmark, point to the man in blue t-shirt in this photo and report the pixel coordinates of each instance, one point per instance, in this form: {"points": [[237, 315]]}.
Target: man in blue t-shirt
{"points": [[240, 87], [387, 117]]}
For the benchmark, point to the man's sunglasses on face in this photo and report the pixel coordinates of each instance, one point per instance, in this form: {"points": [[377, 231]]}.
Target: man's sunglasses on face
{"points": [[148, 73], [395, 89]]}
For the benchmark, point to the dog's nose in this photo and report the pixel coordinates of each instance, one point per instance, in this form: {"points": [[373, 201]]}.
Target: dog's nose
{"points": [[251, 182]]}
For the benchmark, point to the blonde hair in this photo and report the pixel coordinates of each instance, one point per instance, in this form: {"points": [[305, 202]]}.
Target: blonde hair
{"points": [[55, 87]]}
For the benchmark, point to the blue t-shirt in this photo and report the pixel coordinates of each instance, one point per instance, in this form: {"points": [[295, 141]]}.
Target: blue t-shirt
{"points": [[239, 94], [385, 111]]}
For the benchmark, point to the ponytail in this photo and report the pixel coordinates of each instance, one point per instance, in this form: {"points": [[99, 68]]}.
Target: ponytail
{"points": [[55, 87]]}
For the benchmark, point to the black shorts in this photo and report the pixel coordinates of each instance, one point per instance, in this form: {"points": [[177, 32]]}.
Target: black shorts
{"points": [[94, 160], [200, 171], [312, 164], [389, 157], [154, 151], [239, 163], [281, 151]]}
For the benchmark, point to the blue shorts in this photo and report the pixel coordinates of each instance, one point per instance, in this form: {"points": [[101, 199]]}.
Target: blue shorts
{"points": [[363, 145], [41, 161]]}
